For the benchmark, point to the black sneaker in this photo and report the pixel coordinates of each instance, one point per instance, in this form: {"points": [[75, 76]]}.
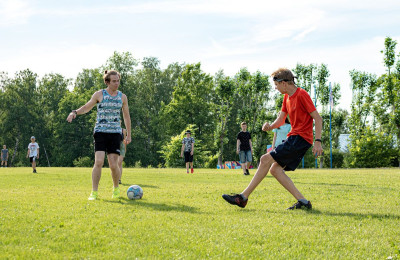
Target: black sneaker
{"points": [[301, 205], [247, 172], [34, 171], [235, 199], [119, 182]]}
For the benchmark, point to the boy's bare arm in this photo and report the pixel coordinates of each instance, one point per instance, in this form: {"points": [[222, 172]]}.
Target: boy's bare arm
{"points": [[280, 120], [87, 107], [317, 149]]}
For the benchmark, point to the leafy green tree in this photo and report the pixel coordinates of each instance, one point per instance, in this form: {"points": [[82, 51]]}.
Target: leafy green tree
{"points": [[253, 91], [364, 87], [150, 89], [191, 104], [171, 151], [372, 149], [225, 91], [51, 90], [306, 75], [75, 140], [388, 107], [124, 63], [22, 115]]}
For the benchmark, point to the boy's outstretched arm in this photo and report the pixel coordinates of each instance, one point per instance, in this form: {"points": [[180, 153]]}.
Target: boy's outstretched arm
{"points": [[280, 120]]}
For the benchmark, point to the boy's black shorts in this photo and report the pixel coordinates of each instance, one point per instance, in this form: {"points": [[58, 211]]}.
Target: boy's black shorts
{"points": [[188, 157], [289, 154], [107, 142], [32, 159]]}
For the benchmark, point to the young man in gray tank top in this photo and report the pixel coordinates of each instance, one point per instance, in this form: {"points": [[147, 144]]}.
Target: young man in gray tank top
{"points": [[107, 131]]}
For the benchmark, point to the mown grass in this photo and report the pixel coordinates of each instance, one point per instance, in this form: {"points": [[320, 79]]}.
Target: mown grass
{"points": [[356, 215]]}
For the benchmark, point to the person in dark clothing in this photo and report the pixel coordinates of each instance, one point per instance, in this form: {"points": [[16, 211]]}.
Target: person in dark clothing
{"points": [[244, 148]]}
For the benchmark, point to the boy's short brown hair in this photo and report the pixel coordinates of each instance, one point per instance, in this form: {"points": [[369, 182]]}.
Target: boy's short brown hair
{"points": [[283, 74], [108, 73], [243, 123]]}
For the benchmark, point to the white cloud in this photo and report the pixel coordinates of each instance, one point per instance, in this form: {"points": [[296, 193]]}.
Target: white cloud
{"points": [[263, 35], [66, 60], [14, 12]]}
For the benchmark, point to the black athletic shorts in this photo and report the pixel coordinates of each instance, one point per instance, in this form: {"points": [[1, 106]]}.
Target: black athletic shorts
{"points": [[188, 157], [107, 142], [31, 159], [289, 154]]}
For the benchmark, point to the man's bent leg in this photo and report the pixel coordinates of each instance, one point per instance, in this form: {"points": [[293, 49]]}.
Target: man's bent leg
{"points": [[265, 163], [279, 174], [96, 172], [115, 172]]}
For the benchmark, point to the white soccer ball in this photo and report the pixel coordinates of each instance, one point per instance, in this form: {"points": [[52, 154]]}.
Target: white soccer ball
{"points": [[134, 192]]}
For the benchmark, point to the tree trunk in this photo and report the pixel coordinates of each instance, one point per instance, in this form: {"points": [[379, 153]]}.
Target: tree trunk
{"points": [[221, 143], [15, 151], [398, 144], [221, 150]]}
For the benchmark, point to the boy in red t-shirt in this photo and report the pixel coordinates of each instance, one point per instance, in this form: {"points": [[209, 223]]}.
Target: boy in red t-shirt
{"points": [[287, 156]]}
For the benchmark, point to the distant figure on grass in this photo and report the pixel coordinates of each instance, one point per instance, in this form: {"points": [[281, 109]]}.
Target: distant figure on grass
{"points": [[280, 133], [33, 153], [244, 148], [107, 131], [122, 152], [187, 150], [287, 156], [4, 156]]}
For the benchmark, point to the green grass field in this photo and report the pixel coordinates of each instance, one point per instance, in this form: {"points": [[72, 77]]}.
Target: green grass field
{"points": [[356, 215]]}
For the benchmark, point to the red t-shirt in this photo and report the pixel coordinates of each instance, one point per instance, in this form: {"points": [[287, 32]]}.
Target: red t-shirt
{"points": [[299, 106]]}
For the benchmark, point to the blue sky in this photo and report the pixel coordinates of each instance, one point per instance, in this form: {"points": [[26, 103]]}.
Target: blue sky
{"points": [[66, 36]]}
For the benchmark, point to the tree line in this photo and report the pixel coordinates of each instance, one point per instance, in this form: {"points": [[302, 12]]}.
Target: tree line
{"points": [[164, 103]]}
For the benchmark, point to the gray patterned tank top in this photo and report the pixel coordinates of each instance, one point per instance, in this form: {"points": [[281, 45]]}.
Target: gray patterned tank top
{"points": [[109, 114]]}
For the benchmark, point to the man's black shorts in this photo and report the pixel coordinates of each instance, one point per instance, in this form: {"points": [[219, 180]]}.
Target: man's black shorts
{"points": [[32, 159], [289, 154], [188, 157], [107, 142]]}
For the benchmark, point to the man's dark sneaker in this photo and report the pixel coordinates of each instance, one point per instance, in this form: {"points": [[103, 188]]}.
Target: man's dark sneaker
{"points": [[34, 171], [301, 205], [119, 182], [235, 199], [247, 172]]}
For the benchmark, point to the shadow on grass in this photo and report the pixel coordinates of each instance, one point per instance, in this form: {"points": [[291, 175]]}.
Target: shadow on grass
{"points": [[141, 185], [157, 206], [327, 184], [354, 215]]}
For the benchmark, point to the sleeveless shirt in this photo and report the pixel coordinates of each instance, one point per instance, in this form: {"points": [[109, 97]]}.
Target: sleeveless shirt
{"points": [[109, 114]]}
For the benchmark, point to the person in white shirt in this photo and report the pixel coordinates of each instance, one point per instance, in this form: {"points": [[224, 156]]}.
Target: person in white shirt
{"points": [[33, 153], [280, 133]]}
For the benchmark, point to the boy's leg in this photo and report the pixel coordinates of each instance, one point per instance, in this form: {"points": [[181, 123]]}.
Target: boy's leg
{"points": [[120, 160], [96, 172], [265, 163], [279, 174], [187, 167], [249, 158], [241, 199], [115, 171], [244, 167]]}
